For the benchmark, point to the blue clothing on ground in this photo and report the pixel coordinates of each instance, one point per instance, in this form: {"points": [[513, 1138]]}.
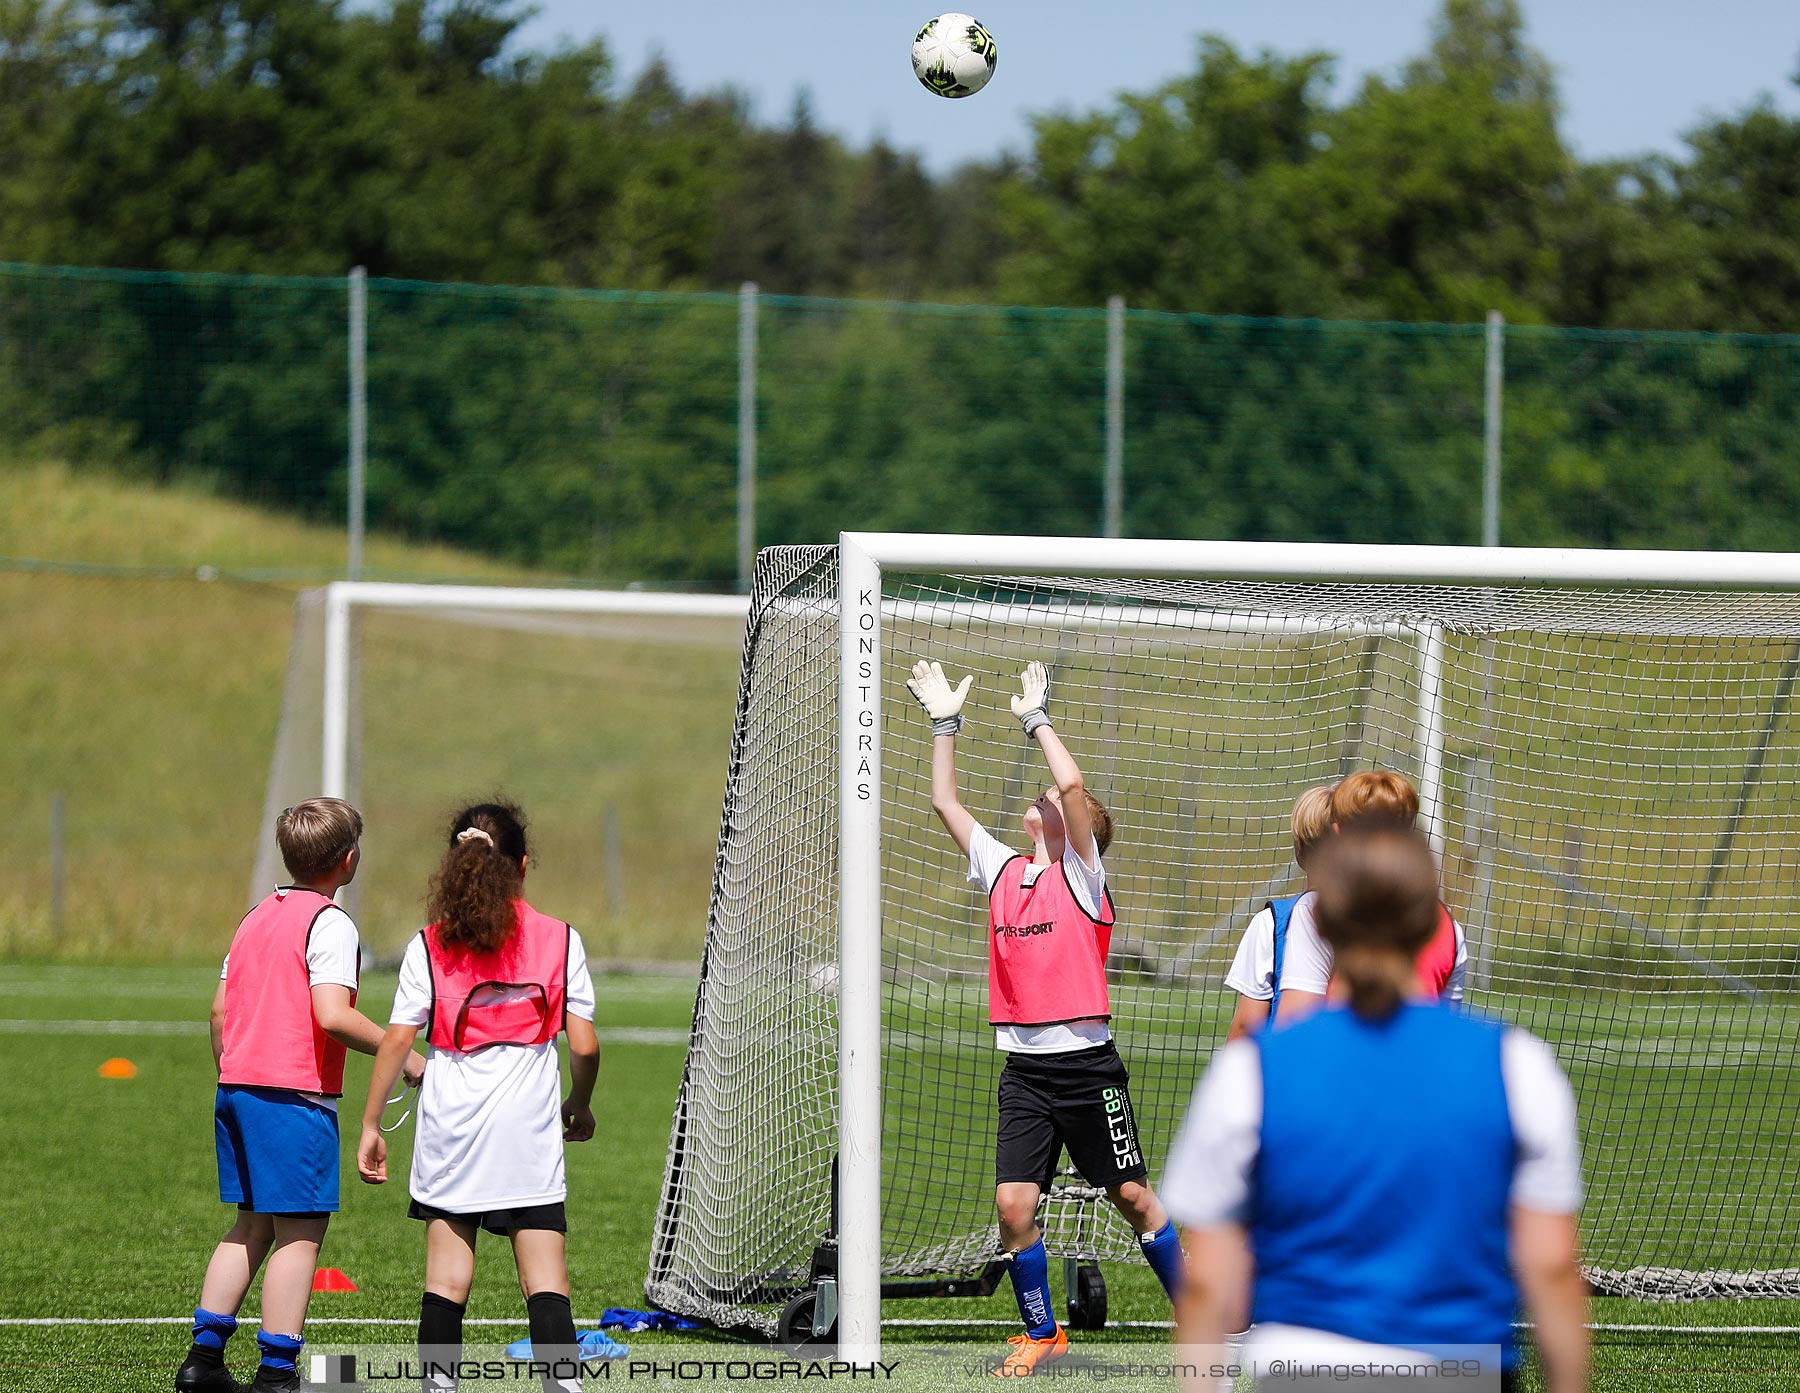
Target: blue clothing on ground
{"points": [[1384, 1179], [278, 1151], [625, 1318], [593, 1344]]}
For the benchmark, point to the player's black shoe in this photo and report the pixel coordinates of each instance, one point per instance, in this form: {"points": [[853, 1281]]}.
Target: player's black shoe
{"points": [[270, 1381], [203, 1376]]}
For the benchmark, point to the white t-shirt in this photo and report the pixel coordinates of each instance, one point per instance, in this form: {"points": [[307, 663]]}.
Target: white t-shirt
{"points": [[332, 953], [1088, 884], [1208, 1178], [488, 1131], [1306, 964], [1253, 967]]}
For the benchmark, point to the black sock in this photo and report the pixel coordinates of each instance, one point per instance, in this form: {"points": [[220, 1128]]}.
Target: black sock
{"points": [[440, 1338], [552, 1322]]}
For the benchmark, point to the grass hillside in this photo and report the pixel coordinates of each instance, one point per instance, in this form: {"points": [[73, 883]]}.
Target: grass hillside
{"points": [[150, 702]]}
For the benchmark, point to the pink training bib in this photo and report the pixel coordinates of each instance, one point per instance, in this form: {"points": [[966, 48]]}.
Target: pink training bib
{"points": [[1046, 955], [511, 996], [1438, 960], [271, 1038]]}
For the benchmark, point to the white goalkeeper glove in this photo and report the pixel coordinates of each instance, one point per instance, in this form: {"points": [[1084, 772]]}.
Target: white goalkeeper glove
{"points": [[942, 702], [1033, 697]]}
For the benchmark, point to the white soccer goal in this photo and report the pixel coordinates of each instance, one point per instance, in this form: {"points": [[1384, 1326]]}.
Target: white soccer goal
{"points": [[605, 713], [1606, 752]]}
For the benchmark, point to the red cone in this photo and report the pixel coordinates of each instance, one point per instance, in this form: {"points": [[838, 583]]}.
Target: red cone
{"points": [[331, 1279]]}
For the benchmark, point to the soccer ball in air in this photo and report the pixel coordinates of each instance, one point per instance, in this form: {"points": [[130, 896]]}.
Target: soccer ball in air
{"points": [[954, 55]]}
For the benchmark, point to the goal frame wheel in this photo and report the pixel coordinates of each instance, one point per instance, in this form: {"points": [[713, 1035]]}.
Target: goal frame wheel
{"points": [[798, 1319], [1086, 1288]]}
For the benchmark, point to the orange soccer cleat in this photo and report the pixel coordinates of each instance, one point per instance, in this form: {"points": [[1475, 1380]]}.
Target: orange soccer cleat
{"points": [[1028, 1353]]}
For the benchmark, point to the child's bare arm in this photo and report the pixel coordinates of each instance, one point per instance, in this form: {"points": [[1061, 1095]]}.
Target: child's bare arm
{"points": [[1297, 1005], [218, 1027], [355, 1031], [958, 821], [1029, 706], [1077, 816], [342, 1021], [391, 1057], [584, 1071], [944, 703], [1250, 1016], [1546, 1258], [1215, 1297]]}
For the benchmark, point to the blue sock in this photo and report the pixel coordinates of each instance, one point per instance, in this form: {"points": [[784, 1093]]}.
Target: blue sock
{"points": [[1162, 1250], [279, 1352], [211, 1329], [1031, 1285]]}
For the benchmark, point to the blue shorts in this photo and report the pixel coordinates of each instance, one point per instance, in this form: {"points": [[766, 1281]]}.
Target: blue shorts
{"points": [[278, 1151]]}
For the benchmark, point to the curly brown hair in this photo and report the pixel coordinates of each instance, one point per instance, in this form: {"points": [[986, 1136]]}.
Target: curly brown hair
{"points": [[474, 893]]}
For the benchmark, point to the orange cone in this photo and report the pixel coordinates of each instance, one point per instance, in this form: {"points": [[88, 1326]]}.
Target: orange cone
{"points": [[331, 1279], [118, 1069]]}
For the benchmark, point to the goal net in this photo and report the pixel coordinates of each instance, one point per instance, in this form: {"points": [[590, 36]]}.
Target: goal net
{"points": [[604, 714], [1607, 768]]}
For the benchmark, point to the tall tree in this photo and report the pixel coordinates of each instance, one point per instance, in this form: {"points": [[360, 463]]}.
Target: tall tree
{"points": [[1174, 198], [1433, 195], [1741, 195]]}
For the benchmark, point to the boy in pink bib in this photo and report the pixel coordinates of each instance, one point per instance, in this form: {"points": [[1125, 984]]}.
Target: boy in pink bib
{"points": [[283, 1017], [1050, 921]]}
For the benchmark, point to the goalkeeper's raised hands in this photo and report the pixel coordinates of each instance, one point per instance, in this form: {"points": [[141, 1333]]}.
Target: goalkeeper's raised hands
{"points": [[942, 702], [1034, 696]]}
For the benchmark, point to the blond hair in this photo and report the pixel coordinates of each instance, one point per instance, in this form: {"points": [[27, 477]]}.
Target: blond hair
{"points": [[1375, 795], [316, 835], [1312, 819]]}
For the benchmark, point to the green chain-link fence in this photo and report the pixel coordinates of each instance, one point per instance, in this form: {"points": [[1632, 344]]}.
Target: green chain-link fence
{"points": [[597, 433]]}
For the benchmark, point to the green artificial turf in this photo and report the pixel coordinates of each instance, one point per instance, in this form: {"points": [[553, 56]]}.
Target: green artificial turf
{"points": [[110, 1213]]}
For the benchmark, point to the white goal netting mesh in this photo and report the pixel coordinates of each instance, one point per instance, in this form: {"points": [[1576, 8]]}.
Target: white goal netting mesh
{"points": [[1612, 774]]}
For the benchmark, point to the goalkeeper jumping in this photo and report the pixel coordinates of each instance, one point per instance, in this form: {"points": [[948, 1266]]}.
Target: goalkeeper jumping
{"points": [[1050, 922]]}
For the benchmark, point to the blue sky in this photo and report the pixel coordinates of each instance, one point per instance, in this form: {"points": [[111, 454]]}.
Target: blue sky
{"points": [[1633, 74]]}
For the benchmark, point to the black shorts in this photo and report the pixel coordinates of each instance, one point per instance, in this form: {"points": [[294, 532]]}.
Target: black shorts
{"points": [[1080, 1100], [500, 1221]]}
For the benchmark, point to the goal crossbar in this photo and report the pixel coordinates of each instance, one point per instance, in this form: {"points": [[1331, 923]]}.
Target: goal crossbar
{"points": [[934, 553]]}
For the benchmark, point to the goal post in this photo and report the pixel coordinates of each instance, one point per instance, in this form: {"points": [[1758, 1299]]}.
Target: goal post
{"points": [[583, 704], [1601, 741], [344, 598]]}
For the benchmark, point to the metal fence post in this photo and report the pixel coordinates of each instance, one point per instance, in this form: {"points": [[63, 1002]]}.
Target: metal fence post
{"points": [[1114, 509], [1490, 453], [746, 507], [1481, 780], [613, 859], [58, 864], [359, 417]]}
